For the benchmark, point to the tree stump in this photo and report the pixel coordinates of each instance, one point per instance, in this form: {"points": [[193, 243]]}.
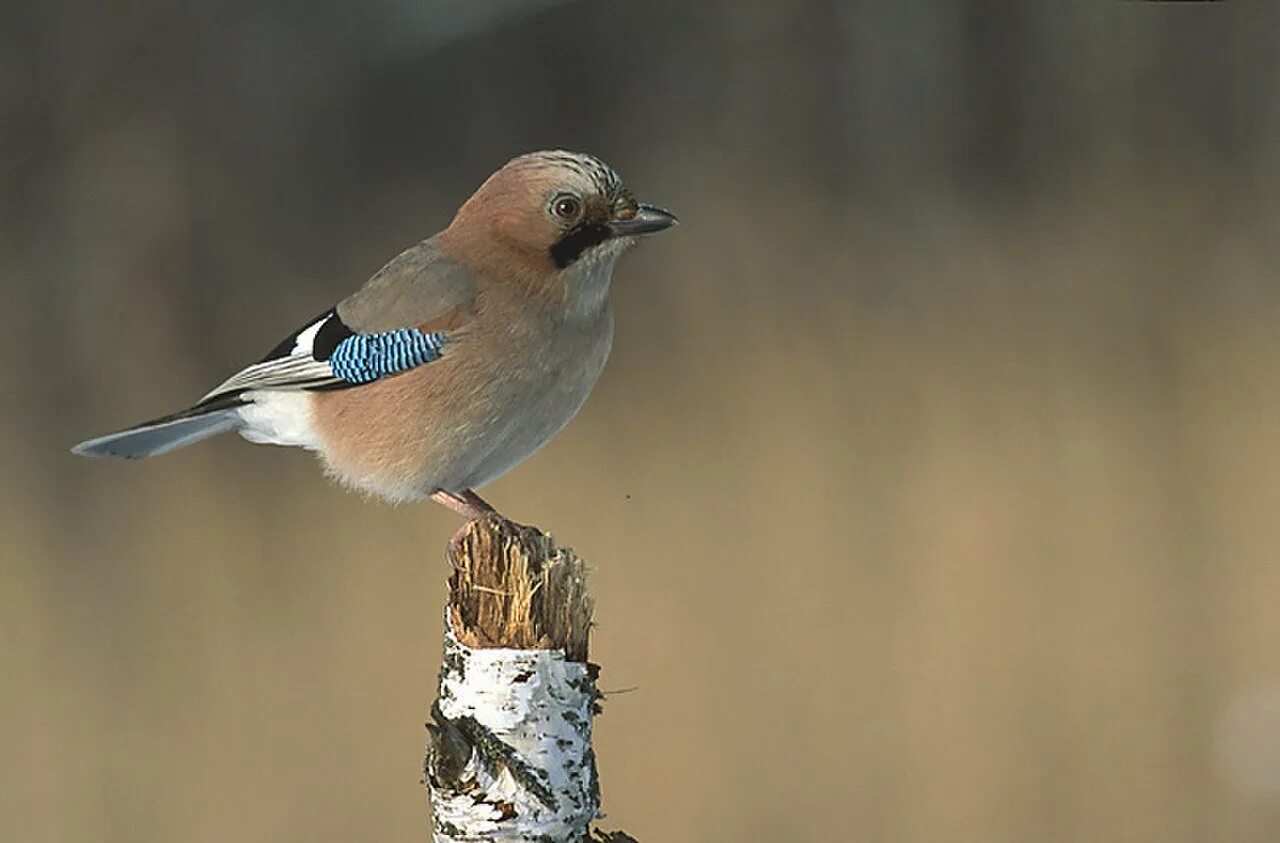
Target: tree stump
{"points": [[510, 755]]}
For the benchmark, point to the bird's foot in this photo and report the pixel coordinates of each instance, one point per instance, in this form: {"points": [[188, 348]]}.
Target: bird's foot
{"points": [[474, 508]]}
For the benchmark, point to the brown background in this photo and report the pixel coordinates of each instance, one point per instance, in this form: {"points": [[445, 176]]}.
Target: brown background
{"points": [[934, 485]]}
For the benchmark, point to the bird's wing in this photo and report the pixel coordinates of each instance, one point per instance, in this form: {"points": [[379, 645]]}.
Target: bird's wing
{"points": [[399, 319], [422, 286]]}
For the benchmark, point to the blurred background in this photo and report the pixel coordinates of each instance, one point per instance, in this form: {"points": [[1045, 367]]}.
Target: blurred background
{"points": [[932, 486]]}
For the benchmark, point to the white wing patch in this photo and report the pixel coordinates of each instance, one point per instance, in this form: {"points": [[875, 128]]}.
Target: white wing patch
{"points": [[305, 343]]}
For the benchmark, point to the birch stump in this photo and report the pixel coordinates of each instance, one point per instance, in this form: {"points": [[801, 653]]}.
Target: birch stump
{"points": [[510, 753]]}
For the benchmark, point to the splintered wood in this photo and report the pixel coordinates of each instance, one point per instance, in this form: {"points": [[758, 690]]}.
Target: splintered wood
{"points": [[512, 587]]}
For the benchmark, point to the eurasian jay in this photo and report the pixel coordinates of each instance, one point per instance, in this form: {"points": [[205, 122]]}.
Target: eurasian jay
{"points": [[457, 360]]}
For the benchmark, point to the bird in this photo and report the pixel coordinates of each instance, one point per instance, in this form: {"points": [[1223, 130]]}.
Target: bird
{"points": [[454, 362]]}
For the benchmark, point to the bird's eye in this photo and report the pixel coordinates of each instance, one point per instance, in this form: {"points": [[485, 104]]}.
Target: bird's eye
{"points": [[566, 207]]}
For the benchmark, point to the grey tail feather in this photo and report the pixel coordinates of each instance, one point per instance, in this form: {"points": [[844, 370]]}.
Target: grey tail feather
{"points": [[167, 433]]}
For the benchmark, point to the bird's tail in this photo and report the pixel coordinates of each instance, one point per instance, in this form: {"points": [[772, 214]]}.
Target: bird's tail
{"points": [[167, 433]]}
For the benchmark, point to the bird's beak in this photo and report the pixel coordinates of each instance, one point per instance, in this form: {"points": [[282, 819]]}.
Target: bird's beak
{"points": [[648, 219]]}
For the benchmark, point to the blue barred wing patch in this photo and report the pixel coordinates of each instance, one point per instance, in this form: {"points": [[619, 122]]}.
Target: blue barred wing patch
{"points": [[361, 358]]}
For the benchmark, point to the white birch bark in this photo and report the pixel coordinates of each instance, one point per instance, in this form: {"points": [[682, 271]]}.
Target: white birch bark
{"points": [[525, 718]]}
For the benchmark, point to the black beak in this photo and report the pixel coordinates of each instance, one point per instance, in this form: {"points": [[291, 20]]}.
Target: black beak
{"points": [[648, 220]]}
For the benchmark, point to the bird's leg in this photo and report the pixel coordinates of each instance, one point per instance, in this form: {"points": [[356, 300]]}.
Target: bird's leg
{"points": [[472, 507], [466, 503], [478, 502]]}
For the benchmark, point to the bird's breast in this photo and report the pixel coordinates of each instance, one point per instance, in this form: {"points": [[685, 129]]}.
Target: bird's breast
{"points": [[541, 391]]}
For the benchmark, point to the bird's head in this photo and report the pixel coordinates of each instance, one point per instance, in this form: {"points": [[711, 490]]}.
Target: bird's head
{"points": [[546, 212]]}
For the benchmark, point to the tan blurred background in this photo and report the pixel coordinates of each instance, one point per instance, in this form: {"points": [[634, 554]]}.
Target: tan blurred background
{"points": [[934, 484]]}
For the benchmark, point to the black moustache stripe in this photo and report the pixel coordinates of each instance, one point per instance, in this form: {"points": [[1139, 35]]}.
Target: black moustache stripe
{"points": [[576, 241]]}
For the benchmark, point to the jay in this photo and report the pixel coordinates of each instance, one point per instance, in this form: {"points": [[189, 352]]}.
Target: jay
{"points": [[455, 361]]}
